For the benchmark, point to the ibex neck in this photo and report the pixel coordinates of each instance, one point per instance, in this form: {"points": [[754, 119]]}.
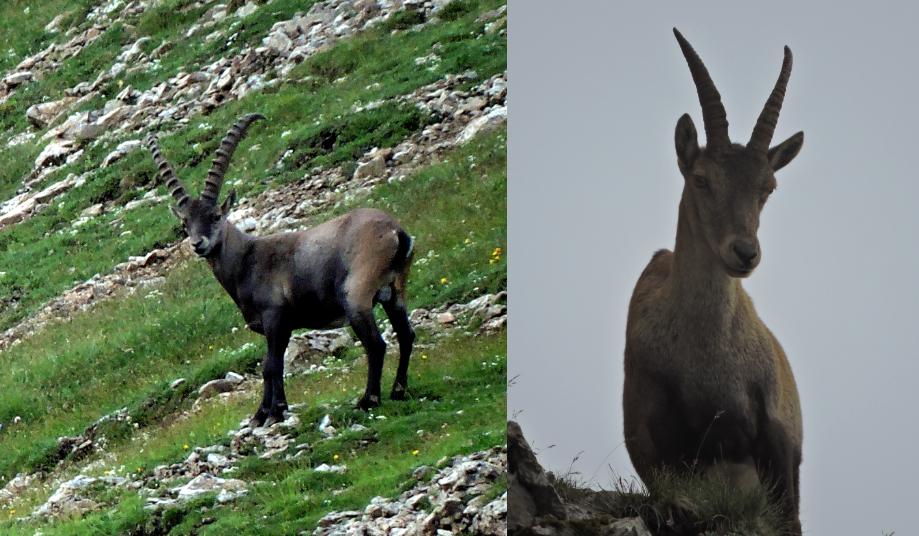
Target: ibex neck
{"points": [[228, 262], [699, 284]]}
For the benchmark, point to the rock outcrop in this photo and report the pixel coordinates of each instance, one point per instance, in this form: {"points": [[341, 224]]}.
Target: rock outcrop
{"points": [[537, 509]]}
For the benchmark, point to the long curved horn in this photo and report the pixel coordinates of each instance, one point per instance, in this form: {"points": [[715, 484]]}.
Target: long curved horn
{"points": [[173, 184], [214, 179], [713, 115], [769, 117]]}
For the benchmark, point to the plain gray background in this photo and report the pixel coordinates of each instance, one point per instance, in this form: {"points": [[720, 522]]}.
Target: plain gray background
{"points": [[594, 187]]}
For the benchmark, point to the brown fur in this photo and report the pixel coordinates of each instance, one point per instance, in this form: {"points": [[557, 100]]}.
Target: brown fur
{"points": [[707, 385]]}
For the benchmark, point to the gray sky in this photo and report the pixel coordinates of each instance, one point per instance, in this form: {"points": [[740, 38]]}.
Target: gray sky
{"points": [[594, 188]]}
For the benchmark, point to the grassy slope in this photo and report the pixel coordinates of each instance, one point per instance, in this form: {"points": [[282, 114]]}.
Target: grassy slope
{"points": [[44, 256], [64, 378]]}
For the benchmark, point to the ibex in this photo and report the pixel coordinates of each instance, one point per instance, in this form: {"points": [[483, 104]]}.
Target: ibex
{"points": [[327, 276], [707, 385]]}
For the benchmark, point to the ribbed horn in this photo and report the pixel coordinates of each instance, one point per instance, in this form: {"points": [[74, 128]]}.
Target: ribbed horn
{"points": [[714, 117], [769, 117], [214, 179], [168, 176]]}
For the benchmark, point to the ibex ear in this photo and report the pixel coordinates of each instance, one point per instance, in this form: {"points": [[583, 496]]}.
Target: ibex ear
{"points": [[687, 143], [785, 152], [228, 202]]}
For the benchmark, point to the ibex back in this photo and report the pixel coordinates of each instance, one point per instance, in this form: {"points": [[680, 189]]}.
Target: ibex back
{"points": [[707, 385], [327, 276]]}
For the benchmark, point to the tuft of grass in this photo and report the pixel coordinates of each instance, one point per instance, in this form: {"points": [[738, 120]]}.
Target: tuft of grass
{"points": [[680, 503], [457, 9]]}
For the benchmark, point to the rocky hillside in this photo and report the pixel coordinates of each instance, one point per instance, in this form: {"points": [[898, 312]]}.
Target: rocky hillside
{"points": [[128, 372]]}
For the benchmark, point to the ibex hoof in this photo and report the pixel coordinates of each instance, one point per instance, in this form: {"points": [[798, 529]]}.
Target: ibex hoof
{"points": [[397, 393], [368, 402], [271, 420], [258, 419]]}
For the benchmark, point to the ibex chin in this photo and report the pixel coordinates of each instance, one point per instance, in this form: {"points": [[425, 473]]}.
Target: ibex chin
{"points": [[327, 276], [707, 385]]}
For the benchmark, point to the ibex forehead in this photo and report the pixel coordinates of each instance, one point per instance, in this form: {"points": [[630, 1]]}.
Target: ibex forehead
{"points": [[198, 206], [734, 161]]}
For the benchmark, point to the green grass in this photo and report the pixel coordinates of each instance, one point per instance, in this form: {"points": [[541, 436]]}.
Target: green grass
{"points": [[461, 415], [44, 256]]}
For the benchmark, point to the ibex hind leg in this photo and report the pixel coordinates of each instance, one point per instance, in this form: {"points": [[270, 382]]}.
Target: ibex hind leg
{"points": [[398, 317], [364, 326]]}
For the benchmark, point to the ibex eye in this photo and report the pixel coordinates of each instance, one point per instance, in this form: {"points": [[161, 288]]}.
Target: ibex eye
{"points": [[765, 195], [700, 181]]}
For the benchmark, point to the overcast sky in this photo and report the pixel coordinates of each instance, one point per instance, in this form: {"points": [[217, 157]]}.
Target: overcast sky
{"points": [[594, 188]]}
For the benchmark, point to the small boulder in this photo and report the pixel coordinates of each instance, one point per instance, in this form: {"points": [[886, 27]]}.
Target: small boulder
{"points": [[375, 167], [215, 387], [495, 117], [43, 114]]}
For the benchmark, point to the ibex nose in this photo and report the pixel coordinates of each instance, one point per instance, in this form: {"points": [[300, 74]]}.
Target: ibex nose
{"points": [[199, 245], [746, 251]]}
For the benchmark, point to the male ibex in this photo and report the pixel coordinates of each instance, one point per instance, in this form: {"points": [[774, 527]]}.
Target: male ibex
{"points": [[707, 384], [327, 276]]}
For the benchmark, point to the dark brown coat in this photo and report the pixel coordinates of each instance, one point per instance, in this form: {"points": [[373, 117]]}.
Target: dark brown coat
{"points": [[328, 276]]}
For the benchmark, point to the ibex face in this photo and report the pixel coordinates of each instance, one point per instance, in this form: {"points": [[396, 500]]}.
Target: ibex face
{"points": [[205, 223], [727, 184]]}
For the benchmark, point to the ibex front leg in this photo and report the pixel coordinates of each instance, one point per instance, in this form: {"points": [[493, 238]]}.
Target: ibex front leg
{"points": [[780, 465], [274, 401]]}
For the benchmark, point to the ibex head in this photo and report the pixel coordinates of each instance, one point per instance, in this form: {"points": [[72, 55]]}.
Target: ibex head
{"points": [[727, 184], [203, 219]]}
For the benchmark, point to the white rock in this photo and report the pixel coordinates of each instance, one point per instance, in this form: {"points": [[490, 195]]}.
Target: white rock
{"points": [[18, 78], [43, 114], [120, 151], [206, 483], [247, 9], [234, 377], [217, 386], [496, 117], [278, 41], [326, 468], [92, 211], [55, 152], [325, 422], [375, 167]]}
